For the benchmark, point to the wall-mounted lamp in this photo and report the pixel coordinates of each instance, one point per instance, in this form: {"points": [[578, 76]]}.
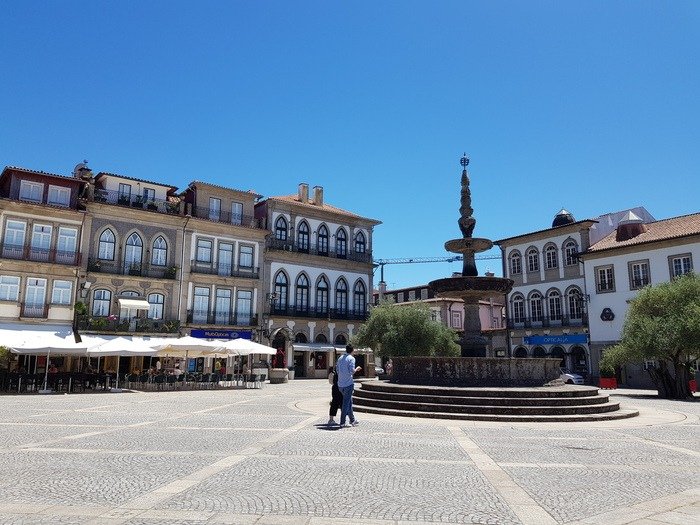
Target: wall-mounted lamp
{"points": [[84, 288]]}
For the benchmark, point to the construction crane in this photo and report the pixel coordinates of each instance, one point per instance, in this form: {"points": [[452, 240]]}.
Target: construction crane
{"points": [[417, 260]]}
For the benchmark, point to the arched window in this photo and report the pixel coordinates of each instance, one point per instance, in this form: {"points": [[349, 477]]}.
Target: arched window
{"points": [[570, 252], [533, 260], [105, 250], [101, 300], [536, 307], [341, 297], [303, 237], [550, 257], [320, 338], [125, 313], [302, 294], [554, 305], [359, 298], [538, 351], [558, 352], [300, 338], [341, 244], [322, 240], [322, 295], [156, 300], [132, 254], [281, 289], [516, 263], [518, 309], [340, 339], [575, 304], [360, 243], [520, 352], [159, 254], [281, 229]]}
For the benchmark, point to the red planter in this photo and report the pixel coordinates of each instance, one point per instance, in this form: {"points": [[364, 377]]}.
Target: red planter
{"points": [[607, 382], [693, 385]]}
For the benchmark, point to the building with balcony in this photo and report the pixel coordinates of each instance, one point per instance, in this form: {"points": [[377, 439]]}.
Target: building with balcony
{"points": [[317, 279], [546, 311], [635, 254], [42, 223]]}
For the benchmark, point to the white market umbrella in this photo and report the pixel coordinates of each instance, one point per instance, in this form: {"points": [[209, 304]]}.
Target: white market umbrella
{"points": [[120, 346], [246, 347], [188, 346]]}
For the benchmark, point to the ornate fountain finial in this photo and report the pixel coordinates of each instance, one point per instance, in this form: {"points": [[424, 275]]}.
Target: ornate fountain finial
{"points": [[466, 221]]}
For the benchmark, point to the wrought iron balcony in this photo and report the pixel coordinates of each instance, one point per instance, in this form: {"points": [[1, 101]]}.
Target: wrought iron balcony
{"points": [[37, 311], [546, 322], [27, 252], [235, 219], [319, 313], [220, 318], [136, 201], [135, 269], [112, 323], [289, 246], [225, 270]]}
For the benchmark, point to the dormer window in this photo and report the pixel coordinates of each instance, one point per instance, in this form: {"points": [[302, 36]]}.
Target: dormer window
{"points": [[59, 196], [31, 191]]}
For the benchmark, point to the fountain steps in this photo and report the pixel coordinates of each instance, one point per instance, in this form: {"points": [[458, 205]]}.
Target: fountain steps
{"points": [[488, 404]]}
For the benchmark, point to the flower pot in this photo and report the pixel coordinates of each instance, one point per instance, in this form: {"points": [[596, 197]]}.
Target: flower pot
{"points": [[693, 385], [607, 382], [278, 375]]}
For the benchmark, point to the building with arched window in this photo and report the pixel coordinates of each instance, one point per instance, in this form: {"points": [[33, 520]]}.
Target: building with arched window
{"points": [[317, 277]]}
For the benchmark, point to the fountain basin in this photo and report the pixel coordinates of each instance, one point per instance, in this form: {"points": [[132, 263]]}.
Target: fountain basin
{"points": [[469, 244], [476, 287]]}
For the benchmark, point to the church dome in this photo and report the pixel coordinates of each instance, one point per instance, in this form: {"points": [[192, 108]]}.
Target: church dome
{"points": [[562, 218]]}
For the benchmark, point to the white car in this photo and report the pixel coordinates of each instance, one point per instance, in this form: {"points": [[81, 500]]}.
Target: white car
{"points": [[570, 378]]}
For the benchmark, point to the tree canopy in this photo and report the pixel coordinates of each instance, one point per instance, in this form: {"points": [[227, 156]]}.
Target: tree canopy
{"points": [[406, 330], [662, 325]]}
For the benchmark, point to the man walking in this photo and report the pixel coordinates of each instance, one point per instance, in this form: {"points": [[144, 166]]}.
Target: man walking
{"points": [[346, 369]]}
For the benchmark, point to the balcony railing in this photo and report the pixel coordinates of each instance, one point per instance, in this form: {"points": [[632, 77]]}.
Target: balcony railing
{"points": [[136, 201], [27, 252], [319, 313], [288, 246], [113, 324], [225, 270], [220, 318], [545, 322], [135, 269], [37, 311], [236, 219]]}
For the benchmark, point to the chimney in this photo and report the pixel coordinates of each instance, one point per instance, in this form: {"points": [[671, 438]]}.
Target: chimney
{"points": [[303, 192], [489, 274], [318, 195]]}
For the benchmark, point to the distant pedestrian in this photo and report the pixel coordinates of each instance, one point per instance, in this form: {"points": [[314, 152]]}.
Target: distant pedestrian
{"points": [[336, 396], [346, 369], [389, 367]]}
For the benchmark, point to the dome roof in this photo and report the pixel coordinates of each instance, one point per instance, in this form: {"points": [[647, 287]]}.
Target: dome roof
{"points": [[562, 218]]}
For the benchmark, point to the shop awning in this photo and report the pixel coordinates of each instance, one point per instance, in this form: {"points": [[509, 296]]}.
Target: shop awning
{"points": [[134, 304], [341, 350], [312, 347]]}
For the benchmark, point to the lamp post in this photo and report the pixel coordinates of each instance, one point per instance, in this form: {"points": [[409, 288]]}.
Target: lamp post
{"points": [[264, 328]]}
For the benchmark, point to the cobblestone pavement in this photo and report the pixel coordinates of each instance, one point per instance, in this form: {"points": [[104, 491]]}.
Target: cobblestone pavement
{"points": [[266, 457]]}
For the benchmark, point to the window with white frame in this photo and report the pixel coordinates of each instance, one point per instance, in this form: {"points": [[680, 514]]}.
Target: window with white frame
{"points": [[639, 274], [575, 301], [149, 194], [536, 307], [9, 288], [244, 307], [35, 294], [423, 294], [41, 241], [62, 292], [200, 305], [456, 320], [605, 279], [533, 260], [124, 192], [434, 314], [101, 300], [518, 312], [411, 295], [554, 305], [222, 306], [281, 229], [31, 191], [204, 248], [159, 253], [58, 196], [681, 264], [570, 253], [156, 301], [236, 213], [515, 263], [67, 243], [14, 233], [107, 243], [245, 257], [550, 257], [214, 209]]}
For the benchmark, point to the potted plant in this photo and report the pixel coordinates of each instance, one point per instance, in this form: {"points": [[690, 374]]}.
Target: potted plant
{"points": [[172, 207], [123, 200], [94, 266], [135, 269], [607, 378], [80, 308], [151, 205], [137, 202], [170, 272]]}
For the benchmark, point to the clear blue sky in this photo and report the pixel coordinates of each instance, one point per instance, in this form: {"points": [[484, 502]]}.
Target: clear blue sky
{"points": [[592, 106]]}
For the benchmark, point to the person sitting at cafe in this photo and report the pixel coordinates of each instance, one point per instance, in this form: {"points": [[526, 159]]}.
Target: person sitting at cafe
{"points": [[52, 369], [177, 372]]}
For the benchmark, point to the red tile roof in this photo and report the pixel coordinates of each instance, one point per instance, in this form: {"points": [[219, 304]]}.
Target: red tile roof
{"points": [[37, 172], [326, 207], [673, 228]]}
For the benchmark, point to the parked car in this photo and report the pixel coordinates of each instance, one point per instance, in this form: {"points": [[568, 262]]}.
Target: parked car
{"points": [[570, 378]]}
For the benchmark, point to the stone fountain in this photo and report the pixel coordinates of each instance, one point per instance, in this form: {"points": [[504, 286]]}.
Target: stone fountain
{"points": [[469, 286]]}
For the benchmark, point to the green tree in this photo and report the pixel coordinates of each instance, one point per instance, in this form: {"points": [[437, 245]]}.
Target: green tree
{"points": [[662, 325], [406, 331], [5, 358]]}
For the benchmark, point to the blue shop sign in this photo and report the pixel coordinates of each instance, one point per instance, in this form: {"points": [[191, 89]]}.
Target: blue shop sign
{"points": [[222, 334], [568, 339]]}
